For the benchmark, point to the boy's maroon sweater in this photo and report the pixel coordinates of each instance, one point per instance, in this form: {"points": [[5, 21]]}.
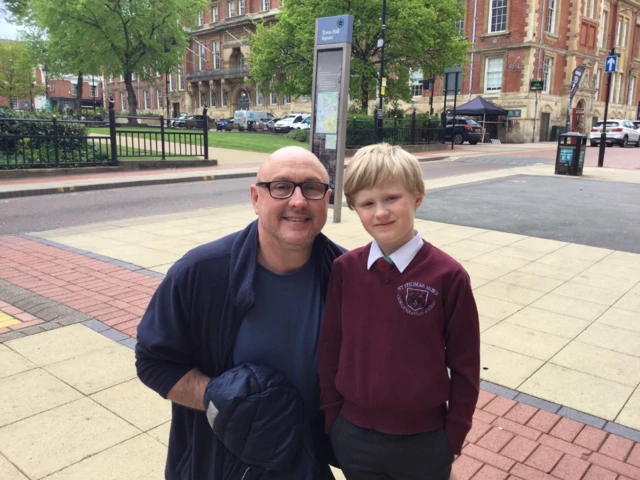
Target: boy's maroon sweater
{"points": [[387, 339]]}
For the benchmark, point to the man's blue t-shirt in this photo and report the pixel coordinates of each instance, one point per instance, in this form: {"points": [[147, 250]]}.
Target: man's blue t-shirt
{"points": [[281, 331]]}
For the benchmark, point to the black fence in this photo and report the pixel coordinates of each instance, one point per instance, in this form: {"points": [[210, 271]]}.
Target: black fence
{"points": [[411, 130], [51, 143]]}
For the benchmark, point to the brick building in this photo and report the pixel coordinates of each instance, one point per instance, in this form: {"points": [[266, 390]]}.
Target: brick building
{"points": [[516, 41], [63, 90], [216, 60], [151, 94]]}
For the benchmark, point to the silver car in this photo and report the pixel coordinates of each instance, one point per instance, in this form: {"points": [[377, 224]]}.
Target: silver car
{"points": [[619, 132]]}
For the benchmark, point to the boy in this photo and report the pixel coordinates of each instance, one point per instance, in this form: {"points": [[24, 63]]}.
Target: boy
{"points": [[398, 313]]}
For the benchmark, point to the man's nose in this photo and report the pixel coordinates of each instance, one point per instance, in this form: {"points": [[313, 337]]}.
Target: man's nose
{"points": [[297, 199]]}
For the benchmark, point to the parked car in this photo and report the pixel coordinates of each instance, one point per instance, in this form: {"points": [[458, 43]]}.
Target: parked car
{"points": [[465, 130], [289, 122], [304, 124], [271, 123], [636, 123], [618, 131], [195, 121], [221, 125], [172, 122]]}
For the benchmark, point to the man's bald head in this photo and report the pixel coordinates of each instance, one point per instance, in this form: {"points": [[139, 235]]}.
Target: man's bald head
{"points": [[290, 156]]}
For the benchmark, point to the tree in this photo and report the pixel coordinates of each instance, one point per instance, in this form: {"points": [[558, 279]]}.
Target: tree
{"points": [[17, 79], [420, 35], [126, 37]]}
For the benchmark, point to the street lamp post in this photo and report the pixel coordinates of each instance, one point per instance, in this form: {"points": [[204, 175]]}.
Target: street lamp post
{"points": [[95, 93], [382, 79], [31, 94]]}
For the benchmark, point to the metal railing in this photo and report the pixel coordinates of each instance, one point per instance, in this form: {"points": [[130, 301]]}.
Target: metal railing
{"points": [[52, 143], [395, 131], [61, 145]]}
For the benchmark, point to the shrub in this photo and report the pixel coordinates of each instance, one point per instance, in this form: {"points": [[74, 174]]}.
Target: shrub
{"points": [[299, 135], [32, 143]]}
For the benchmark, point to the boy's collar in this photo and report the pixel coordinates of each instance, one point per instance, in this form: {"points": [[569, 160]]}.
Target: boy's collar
{"points": [[402, 257]]}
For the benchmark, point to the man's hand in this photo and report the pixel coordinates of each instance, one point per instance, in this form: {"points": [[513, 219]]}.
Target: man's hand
{"points": [[189, 391]]}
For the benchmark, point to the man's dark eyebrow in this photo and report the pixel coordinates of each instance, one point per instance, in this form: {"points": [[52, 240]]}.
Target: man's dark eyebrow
{"points": [[278, 178]]}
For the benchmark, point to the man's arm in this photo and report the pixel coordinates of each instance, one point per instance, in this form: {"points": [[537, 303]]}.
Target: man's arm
{"points": [[189, 391]]}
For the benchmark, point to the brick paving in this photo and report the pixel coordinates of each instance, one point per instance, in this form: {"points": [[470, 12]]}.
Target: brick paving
{"points": [[114, 295], [508, 440]]}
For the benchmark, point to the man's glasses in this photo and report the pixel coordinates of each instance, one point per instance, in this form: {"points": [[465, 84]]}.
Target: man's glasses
{"points": [[281, 190]]}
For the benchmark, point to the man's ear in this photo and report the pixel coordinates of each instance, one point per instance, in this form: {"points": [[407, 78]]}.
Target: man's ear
{"points": [[254, 198]]}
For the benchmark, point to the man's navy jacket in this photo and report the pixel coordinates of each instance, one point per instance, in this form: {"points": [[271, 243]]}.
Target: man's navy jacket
{"points": [[192, 322]]}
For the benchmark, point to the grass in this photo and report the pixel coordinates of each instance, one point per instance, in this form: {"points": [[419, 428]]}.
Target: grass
{"points": [[246, 141]]}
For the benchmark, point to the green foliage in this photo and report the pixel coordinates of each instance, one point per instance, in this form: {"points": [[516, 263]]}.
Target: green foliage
{"points": [[33, 143], [419, 36], [132, 37], [299, 135], [16, 72]]}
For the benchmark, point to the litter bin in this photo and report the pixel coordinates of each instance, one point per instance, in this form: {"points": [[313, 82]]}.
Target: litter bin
{"points": [[570, 154]]}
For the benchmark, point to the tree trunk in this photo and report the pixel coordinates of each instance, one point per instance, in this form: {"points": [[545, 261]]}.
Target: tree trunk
{"points": [[131, 97], [79, 95]]}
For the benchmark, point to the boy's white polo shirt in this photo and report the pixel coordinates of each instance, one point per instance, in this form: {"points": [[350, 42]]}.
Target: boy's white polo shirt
{"points": [[402, 257]]}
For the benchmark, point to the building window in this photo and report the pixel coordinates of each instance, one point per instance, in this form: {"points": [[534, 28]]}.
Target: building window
{"points": [[259, 96], [632, 90], [493, 75], [546, 74], [287, 99], [618, 31], [202, 99], [15, 104], [498, 16], [273, 98], [602, 28], [588, 8], [416, 83], [214, 14], [203, 59], [215, 53], [232, 9], [121, 78], [159, 98], [146, 99], [170, 79], [74, 89], [460, 23], [181, 77], [551, 17], [200, 19], [616, 87], [625, 33], [122, 102], [93, 91], [224, 99], [212, 98], [597, 84], [241, 10], [266, 5]]}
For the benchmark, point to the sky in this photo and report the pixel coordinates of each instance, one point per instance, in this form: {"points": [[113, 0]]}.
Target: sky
{"points": [[8, 31]]}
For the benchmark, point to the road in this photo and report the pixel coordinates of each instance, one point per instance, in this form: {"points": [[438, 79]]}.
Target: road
{"points": [[38, 213]]}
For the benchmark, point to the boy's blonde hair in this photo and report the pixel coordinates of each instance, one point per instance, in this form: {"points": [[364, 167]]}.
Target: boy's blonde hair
{"points": [[380, 163]]}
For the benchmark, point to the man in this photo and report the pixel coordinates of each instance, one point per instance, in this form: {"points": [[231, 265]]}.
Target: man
{"points": [[255, 296]]}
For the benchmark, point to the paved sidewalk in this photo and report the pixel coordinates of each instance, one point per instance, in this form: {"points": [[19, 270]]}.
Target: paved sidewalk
{"points": [[560, 346]]}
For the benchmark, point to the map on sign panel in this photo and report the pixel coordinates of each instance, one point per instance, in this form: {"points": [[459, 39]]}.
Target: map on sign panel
{"points": [[327, 112]]}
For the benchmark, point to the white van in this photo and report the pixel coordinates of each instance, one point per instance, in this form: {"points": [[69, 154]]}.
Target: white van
{"points": [[243, 117]]}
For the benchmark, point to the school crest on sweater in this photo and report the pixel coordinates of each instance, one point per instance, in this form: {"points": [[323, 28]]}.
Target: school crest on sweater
{"points": [[416, 298]]}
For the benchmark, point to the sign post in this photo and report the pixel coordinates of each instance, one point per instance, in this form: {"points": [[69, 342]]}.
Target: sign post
{"points": [[330, 98], [610, 66], [452, 74]]}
